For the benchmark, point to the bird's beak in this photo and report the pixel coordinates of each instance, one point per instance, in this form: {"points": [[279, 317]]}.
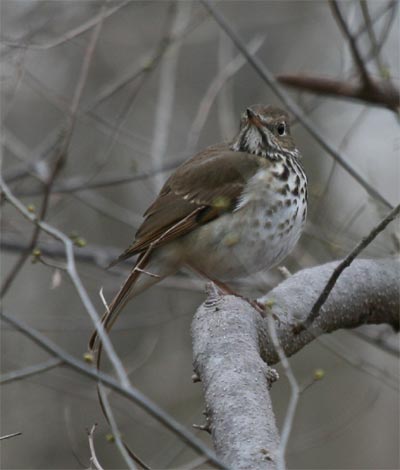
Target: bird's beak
{"points": [[253, 118]]}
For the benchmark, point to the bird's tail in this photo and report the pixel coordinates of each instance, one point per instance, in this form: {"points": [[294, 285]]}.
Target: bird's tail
{"points": [[137, 281]]}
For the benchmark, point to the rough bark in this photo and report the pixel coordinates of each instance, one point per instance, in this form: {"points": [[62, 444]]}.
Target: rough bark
{"points": [[233, 351]]}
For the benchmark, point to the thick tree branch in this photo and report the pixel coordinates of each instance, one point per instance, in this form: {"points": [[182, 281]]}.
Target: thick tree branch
{"points": [[379, 93], [231, 343], [225, 333]]}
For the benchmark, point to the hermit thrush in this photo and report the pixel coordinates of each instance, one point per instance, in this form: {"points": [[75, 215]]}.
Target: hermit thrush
{"points": [[233, 209]]}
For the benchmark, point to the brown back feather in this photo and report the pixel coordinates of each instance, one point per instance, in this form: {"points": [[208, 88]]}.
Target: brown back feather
{"points": [[212, 181]]}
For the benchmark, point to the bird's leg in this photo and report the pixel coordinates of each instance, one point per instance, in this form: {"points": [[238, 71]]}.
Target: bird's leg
{"points": [[226, 290]]}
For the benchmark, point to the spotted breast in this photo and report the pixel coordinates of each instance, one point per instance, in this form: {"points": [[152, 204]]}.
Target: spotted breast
{"points": [[264, 227]]}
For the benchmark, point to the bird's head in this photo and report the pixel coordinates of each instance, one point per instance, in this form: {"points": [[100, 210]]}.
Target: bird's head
{"points": [[264, 131]]}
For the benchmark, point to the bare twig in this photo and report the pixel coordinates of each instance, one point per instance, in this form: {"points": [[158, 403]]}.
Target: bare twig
{"points": [[294, 395], [125, 451], [391, 18], [143, 76], [381, 93], [375, 52], [166, 92], [343, 144], [114, 428], [105, 206], [51, 264], [72, 437], [212, 92], [225, 101], [358, 362], [99, 256], [192, 465], [141, 73], [292, 106], [378, 15], [93, 457], [9, 436], [73, 184], [366, 79], [16, 82], [381, 343], [73, 274], [73, 33], [60, 156], [30, 370], [129, 392], [346, 262], [147, 64], [61, 153]]}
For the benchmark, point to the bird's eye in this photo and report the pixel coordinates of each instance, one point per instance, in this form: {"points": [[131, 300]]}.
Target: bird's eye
{"points": [[281, 129]]}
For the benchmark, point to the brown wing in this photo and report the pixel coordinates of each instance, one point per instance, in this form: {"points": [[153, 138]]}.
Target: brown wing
{"points": [[197, 192]]}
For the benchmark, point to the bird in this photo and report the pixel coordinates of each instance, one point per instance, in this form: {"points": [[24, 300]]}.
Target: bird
{"points": [[233, 209]]}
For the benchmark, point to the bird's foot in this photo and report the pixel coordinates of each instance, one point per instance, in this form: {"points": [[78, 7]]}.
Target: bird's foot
{"points": [[257, 305]]}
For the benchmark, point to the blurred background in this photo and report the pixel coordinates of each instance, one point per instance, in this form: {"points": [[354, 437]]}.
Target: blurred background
{"points": [[162, 82]]}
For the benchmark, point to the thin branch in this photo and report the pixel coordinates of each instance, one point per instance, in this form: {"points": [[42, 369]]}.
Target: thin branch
{"points": [[127, 391], [9, 436], [375, 52], [193, 464], [212, 92], [61, 153], [366, 79], [390, 21], [380, 93], [358, 362], [346, 262], [294, 394], [39, 170], [100, 256], [114, 428], [107, 207], [74, 184], [292, 106], [148, 64], [30, 370], [380, 343], [343, 144], [93, 457], [166, 89], [74, 276], [227, 118], [59, 159], [72, 436], [73, 33], [126, 452], [144, 75], [378, 15]]}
